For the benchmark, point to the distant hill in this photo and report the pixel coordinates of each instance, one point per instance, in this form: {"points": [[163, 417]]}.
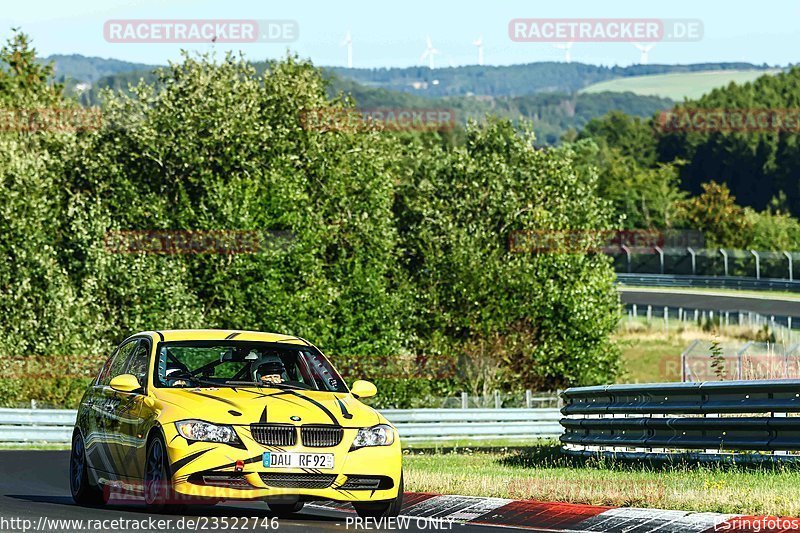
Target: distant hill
{"points": [[82, 69], [552, 114], [678, 86], [513, 80]]}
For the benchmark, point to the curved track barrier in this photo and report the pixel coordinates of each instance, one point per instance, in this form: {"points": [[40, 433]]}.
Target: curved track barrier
{"points": [[709, 419]]}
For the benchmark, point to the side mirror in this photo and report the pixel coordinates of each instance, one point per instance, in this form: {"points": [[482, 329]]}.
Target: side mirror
{"points": [[363, 389], [125, 383]]}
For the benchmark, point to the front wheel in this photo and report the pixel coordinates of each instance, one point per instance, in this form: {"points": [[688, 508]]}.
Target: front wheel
{"points": [[386, 508], [83, 492], [157, 483]]}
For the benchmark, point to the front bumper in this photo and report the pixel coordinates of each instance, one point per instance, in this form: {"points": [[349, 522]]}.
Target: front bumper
{"points": [[209, 470]]}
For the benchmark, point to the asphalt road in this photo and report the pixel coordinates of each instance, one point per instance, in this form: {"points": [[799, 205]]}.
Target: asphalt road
{"points": [[35, 484], [767, 305]]}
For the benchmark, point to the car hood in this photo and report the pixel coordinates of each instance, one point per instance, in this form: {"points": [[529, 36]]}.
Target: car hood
{"points": [[251, 405]]}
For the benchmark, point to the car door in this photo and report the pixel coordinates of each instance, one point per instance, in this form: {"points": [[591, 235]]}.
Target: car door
{"points": [[105, 405], [92, 418], [129, 441]]}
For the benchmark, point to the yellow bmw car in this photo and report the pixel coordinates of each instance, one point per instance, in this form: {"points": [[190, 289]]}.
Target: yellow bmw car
{"points": [[208, 415]]}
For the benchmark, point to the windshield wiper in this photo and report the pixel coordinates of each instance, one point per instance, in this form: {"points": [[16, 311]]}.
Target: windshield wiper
{"points": [[267, 385]]}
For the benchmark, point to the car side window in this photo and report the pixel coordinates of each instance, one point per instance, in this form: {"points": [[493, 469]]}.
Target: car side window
{"points": [[140, 360], [116, 363]]}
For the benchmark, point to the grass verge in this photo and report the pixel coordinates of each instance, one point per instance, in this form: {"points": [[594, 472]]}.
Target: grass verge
{"points": [[540, 473]]}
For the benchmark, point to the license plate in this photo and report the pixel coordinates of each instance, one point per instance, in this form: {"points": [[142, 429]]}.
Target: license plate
{"points": [[297, 460]]}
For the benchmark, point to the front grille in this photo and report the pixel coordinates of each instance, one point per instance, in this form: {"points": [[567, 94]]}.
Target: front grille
{"points": [[321, 436], [367, 483], [298, 481], [274, 434]]}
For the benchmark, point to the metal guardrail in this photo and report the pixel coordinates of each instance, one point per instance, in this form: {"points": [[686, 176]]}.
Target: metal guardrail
{"points": [[417, 425], [709, 282], [414, 425], [706, 418]]}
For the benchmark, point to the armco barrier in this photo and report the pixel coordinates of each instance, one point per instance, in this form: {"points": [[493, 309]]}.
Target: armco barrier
{"points": [[417, 425], [414, 425], [704, 418], [708, 282]]}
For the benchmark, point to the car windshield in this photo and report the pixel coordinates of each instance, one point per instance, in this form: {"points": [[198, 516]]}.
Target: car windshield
{"points": [[231, 364]]}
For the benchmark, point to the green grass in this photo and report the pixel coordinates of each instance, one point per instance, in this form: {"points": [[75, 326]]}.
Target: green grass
{"points": [[34, 446], [541, 473], [677, 86], [651, 360]]}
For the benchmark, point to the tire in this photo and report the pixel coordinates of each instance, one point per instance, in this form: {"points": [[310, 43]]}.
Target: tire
{"points": [[80, 485], [285, 509], [158, 494], [386, 508]]}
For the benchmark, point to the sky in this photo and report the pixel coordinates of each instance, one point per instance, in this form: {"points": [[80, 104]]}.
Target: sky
{"points": [[393, 34]]}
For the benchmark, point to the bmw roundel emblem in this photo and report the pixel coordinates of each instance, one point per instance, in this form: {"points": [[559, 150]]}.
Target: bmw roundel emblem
{"points": [[294, 418]]}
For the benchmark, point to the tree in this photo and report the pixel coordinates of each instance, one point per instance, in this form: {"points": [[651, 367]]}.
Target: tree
{"points": [[716, 214], [546, 316]]}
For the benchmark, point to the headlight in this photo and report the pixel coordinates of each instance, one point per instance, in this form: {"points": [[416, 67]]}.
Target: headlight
{"points": [[380, 435], [197, 430]]}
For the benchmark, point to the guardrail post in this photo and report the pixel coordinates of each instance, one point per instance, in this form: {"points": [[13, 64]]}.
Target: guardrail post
{"points": [[464, 400], [627, 255], [660, 257], [528, 398], [694, 259], [724, 260], [497, 400], [666, 319], [758, 263], [789, 257], [634, 311], [649, 313]]}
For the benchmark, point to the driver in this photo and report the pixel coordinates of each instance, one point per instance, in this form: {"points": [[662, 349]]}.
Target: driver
{"points": [[271, 370]]}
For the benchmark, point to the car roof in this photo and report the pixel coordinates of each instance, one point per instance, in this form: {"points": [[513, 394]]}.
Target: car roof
{"points": [[222, 334]]}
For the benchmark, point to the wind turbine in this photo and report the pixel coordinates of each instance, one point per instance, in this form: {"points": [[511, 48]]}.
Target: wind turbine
{"points": [[429, 52], [348, 42], [567, 47], [479, 43], [644, 49]]}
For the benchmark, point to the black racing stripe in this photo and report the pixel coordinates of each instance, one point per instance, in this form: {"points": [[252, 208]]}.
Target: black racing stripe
{"points": [[345, 413], [223, 400], [263, 419], [180, 463], [232, 336], [316, 403], [160, 335], [257, 393]]}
